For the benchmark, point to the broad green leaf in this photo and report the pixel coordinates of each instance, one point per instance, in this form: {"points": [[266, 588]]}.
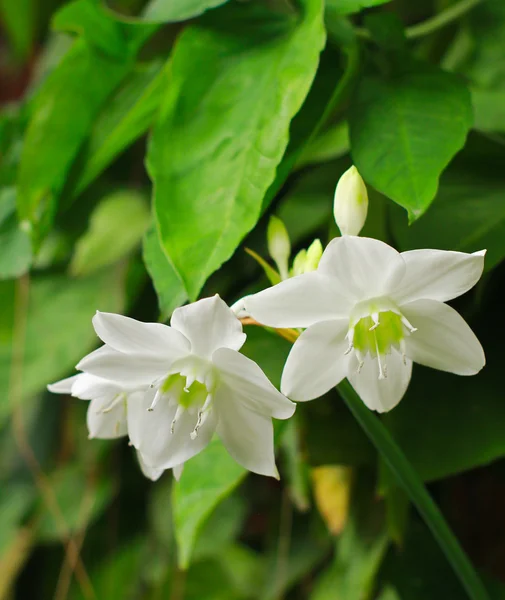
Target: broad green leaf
{"points": [[80, 497], [389, 593], [166, 281], [405, 129], [171, 11], [124, 118], [62, 115], [332, 143], [59, 330], [215, 149], [208, 579], [16, 251], [468, 215], [116, 227], [207, 479], [347, 7]]}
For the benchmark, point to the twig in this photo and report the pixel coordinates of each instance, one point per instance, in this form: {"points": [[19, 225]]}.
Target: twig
{"points": [[19, 430]]}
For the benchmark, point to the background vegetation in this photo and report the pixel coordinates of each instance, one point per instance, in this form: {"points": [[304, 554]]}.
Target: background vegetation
{"points": [[142, 148]]}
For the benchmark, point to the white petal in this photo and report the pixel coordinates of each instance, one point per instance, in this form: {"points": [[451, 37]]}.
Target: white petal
{"points": [[177, 471], [317, 361], [135, 337], [438, 275], [250, 385], [64, 386], [247, 435], [149, 472], [161, 448], [136, 411], [443, 339], [299, 302], [133, 370], [363, 267], [106, 425], [209, 324], [87, 387], [381, 394]]}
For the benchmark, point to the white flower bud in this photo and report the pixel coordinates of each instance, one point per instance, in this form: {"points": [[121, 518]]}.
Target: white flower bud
{"points": [[279, 245], [314, 253], [351, 202]]}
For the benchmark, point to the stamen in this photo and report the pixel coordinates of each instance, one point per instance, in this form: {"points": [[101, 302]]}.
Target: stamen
{"points": [[155, 401], [350, 339], [408, 325], [403, 349], [156, 381], [202, 416], [361, 361], [178, 413], [375, 319], [116, 400], [190, 379], [382, 371]]}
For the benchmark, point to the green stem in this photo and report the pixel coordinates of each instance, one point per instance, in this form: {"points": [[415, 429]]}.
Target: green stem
{"points": [[436, 22], [413, 486]]}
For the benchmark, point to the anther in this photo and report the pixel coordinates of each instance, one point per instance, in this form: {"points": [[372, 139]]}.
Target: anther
{"points": [[157, 397], [202, 416], [178, 413], [408, 325]]}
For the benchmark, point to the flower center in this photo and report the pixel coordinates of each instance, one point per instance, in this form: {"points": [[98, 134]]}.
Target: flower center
{"points": [[190, 386], [375, 328]]}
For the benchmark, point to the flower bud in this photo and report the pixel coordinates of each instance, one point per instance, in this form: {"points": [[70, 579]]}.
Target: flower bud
{"points": [[279, 245], [351, 202], [299, 263], [314, 253]]}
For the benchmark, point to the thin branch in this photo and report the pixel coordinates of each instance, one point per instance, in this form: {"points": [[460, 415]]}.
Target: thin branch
{"points": [[19, 430]]}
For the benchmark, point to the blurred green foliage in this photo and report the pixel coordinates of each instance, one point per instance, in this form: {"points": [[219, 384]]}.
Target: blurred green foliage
{"points": [[240, 109]]}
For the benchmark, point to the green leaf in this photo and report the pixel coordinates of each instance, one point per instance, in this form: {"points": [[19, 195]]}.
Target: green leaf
{"points": [[171, 11], [411, 483], [405, 129], [92, 24], [116, 227], [206, 480], [215, 149], [468, 215], [347, 7], [166, 281], [16, 254], [124, 118], [62, 115], [59, 330], [14, 508]]}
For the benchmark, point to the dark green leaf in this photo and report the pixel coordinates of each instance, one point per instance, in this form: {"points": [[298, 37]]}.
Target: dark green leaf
{"points": [[19, 23], [468, 215], [220, 137], [404, 130], [124, 118], [346, 7], [62, 116]]}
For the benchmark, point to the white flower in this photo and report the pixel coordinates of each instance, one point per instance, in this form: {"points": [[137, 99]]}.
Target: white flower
{"points": [[350, 205], [369, 312], [107, 411], [196, 383]]}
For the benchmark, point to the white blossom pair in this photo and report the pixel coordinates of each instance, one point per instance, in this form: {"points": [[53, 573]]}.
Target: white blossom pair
{"points": [[170, 388]]}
